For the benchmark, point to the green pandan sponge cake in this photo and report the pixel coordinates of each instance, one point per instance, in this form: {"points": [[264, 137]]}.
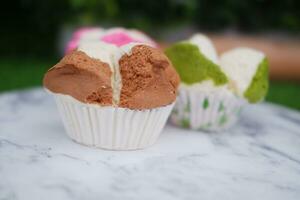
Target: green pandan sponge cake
{"points": [[248, 72], [196, 61], [212, 90]]}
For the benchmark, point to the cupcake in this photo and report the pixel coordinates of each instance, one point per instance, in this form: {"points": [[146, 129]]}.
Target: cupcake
{"points": [[248, 72], [112, 97], [209, 96], [116, 36]]}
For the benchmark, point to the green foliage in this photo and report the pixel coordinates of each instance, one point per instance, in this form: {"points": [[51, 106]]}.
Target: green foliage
{"points": [[32, 27], [285, 93], [255, 15], [22, 73]]}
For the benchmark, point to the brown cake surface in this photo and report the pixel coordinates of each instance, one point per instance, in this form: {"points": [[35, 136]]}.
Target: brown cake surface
{"points": [[84, 78], [148, 79]]}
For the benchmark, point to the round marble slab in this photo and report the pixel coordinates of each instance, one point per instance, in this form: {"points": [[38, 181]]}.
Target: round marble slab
{"points": [[257, 159]]}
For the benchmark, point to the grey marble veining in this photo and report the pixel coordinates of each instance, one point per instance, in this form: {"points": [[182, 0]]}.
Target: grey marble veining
{"points": [[257, 159]]}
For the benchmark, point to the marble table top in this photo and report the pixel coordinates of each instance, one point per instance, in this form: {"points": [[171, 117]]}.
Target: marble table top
{"points": [[257, 159]]}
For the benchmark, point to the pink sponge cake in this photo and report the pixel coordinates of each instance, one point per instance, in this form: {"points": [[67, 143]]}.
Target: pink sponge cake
{"points": [[116, 36]]}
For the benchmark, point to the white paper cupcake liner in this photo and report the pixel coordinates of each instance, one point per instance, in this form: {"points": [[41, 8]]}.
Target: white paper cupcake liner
{"points": [[206, 110], [111, 127]]}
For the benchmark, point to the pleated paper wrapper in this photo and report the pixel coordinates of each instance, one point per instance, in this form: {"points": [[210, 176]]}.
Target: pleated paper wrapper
{"points": [[206, 110], [111, 127]]}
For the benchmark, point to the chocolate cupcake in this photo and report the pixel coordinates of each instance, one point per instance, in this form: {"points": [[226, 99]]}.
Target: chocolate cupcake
{"points": [[113, 97]]}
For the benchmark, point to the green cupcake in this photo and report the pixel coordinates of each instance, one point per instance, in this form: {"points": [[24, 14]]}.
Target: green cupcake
{"points": [[213, 91], [196, 61], [248, 73], [204, 101]]}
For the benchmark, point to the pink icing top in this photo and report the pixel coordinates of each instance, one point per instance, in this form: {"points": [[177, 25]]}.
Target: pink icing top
{"points": [[117, 38], [73, 43]]}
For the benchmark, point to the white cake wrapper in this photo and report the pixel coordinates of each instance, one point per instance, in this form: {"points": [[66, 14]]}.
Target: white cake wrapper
{"points": [[111, 127], [206, 110]]}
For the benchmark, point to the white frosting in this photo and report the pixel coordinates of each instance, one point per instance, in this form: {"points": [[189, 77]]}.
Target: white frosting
{"points": [[240, 66], [117, 79], [99, 50], [205, 46], [109, 54]]}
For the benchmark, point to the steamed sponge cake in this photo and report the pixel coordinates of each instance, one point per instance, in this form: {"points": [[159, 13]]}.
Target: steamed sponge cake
{"points": [[247, 70], [258, 88], [196, 60], [206, 47]]}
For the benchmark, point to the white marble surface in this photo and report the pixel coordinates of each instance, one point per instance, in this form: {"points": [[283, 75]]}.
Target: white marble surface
{"points": [[257, 159]]}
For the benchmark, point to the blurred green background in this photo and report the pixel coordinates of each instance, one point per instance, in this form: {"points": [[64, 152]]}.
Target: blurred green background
{"points": [[34, 31]]}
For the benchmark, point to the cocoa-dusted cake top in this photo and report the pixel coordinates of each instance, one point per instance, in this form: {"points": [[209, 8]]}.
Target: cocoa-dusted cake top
{"points": [[134, 76]]}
